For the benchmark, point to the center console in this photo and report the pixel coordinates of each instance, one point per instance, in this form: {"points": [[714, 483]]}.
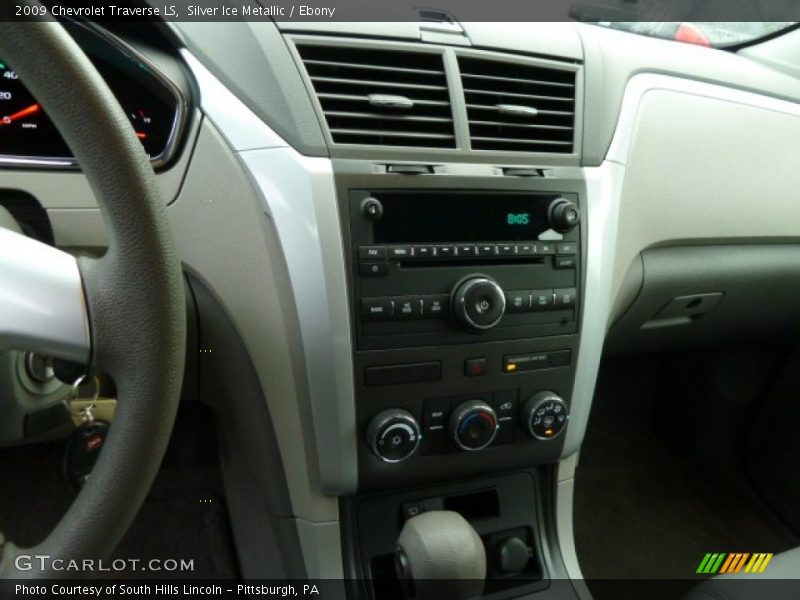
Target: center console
{"points": [[466, 300]]}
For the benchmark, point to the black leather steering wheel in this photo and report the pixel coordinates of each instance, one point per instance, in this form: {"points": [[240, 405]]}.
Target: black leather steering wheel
{"points": [[134, 294]]}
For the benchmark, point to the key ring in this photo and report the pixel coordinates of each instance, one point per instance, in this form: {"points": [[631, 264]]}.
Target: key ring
{"points": [[84, 413]]}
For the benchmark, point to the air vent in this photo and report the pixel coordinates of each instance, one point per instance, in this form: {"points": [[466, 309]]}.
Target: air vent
{"points": [[516, 107], [381, 97]]}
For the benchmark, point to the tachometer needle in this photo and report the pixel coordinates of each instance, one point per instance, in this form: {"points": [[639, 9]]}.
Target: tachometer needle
{"points": [[25, 112]]}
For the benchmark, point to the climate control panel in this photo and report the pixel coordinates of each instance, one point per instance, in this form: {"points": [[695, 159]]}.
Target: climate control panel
{"points": [[466, 424]]}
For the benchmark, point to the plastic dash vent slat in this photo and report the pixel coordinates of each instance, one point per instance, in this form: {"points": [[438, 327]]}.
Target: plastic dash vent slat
{"points": [[347, 81], [519, 107]]}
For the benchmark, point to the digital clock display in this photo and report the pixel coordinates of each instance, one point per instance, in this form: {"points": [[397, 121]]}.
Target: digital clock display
{"points": [[433, 216], [518, 218]]}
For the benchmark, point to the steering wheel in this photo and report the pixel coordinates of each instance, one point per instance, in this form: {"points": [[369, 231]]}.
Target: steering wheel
{"points": [[123, 314]]}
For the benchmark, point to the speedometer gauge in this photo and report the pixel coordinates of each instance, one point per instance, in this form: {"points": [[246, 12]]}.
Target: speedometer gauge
{"points": [[25, 131], [152, 103]]}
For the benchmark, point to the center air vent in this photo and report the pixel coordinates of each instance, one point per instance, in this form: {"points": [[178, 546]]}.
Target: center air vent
{"points": [[381, 97], [517, 107]]}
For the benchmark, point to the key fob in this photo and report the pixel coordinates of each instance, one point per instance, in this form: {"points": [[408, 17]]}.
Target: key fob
{"points": [[83, 448]]}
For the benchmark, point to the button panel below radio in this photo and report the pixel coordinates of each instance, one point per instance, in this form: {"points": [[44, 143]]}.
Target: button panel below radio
{"points": [[436, 306]]}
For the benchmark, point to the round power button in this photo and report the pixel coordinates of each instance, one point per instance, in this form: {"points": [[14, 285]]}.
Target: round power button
{"points": [[479, 303]]}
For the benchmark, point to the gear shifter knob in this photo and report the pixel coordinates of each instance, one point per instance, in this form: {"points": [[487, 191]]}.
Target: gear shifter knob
{"points": [[439, 555]]}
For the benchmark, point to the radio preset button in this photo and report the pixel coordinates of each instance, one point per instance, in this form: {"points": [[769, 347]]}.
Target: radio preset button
{"points": [[467, 250], [399, 252], [506, 249], [422, 252], [445, 251], [545, 248], [374, 269], [372, 252], [408, 307], [435, 306], [542, 300], [526, 249], [518, 302], [567, 248], [487, 250], [564, 298], [377, 309]]}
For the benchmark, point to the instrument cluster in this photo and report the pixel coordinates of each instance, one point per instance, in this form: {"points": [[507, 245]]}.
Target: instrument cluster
{"points": [[154, 104]]}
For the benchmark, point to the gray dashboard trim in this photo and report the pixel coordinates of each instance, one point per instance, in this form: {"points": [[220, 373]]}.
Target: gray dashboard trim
{"points": [[613, 58], [611, 250], [299, 196]]}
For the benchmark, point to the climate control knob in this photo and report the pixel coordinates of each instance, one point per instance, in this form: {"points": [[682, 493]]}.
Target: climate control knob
{"points": [[473, 425], [478, 303], [544, 415], [393, 435], [563, 215]]}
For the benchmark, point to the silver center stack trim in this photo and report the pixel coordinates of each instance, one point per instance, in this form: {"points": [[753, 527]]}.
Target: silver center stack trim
{"points": [[298, 194]]}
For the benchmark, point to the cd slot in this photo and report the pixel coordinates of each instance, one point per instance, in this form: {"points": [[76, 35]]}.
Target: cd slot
{"points": [[465, 262]]}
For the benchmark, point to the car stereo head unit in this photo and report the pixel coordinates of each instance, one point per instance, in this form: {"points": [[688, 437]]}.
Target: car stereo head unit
{"points": [[441, 267]]}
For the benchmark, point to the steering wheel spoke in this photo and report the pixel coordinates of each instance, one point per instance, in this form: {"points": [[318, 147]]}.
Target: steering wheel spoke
{"points": [[42, 303]]}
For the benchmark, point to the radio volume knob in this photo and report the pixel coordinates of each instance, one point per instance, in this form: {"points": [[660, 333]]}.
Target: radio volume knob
{"points": [[563, 215], [478, 303], [372, 209]]}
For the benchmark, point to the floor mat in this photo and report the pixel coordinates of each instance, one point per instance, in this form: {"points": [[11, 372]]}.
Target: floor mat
{"points": [[642, 510]]}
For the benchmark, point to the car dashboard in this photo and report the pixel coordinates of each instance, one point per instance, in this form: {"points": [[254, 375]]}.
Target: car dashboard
{"points": [[408, 251]]}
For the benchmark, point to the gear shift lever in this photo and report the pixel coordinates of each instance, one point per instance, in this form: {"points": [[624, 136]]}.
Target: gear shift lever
{"points": [[439, 555]]}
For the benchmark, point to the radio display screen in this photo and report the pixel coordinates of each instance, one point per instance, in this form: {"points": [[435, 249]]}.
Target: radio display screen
{"points": [[428, 216]]}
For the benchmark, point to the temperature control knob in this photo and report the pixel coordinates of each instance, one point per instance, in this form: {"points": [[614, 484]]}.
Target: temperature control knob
{"points": [[393, 435], [545, 415], [473, 425], [478, 303], [563, 215]]}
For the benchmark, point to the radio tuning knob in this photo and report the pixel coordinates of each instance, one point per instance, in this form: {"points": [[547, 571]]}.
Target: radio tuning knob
{"points": [[563, 215], [478, 303]]}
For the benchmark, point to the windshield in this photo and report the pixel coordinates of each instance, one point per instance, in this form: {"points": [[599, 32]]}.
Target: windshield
{"points": [[716, 34]]}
